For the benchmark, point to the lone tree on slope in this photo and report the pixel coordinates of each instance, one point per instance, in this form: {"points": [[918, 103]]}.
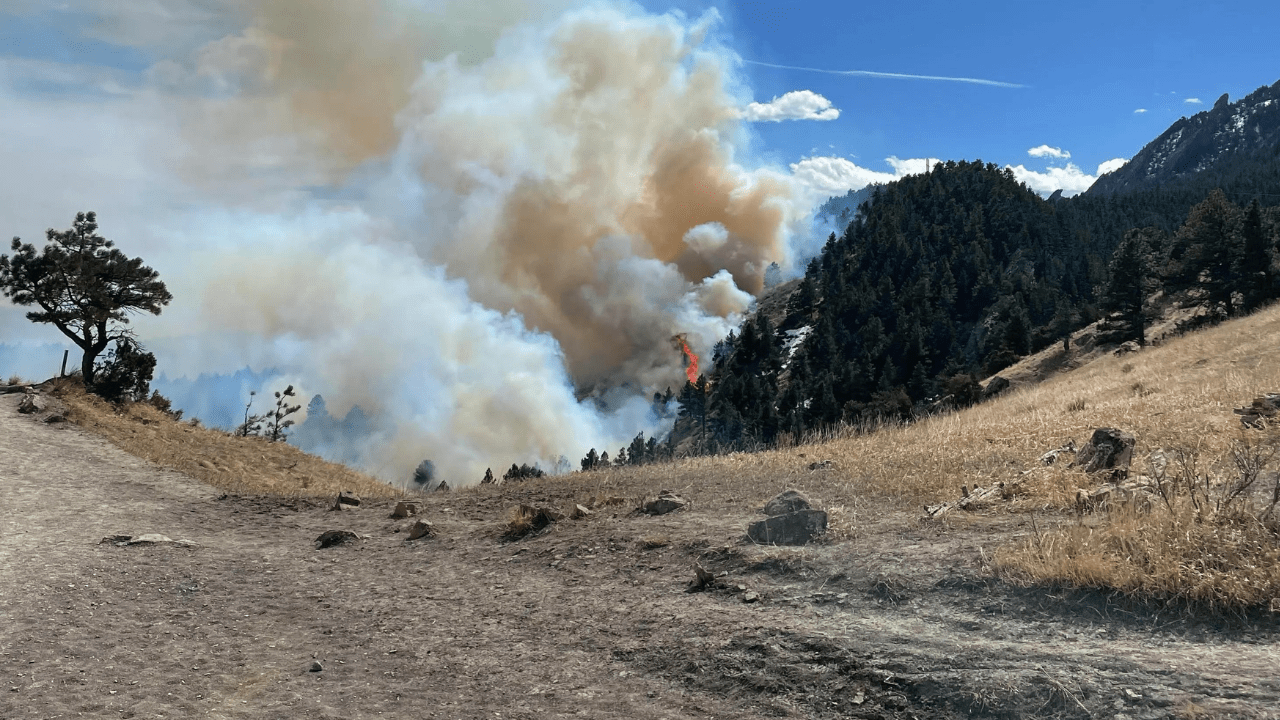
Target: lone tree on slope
{"points": [[83, 285]]}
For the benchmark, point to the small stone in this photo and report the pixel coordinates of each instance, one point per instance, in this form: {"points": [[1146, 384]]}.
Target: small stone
{"points": [[750, 596], [346, 497], [55, 419], [667, 502], [406, 508], [421, 529], [579, 512], [316, 666], [329, 538]]}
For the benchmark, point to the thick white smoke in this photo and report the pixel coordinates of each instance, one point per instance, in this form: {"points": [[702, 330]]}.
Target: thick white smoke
{"points": [[481, 227]]}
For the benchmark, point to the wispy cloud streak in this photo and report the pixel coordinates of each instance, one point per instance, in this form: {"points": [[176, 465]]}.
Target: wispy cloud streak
{"points": [[889, 75]]}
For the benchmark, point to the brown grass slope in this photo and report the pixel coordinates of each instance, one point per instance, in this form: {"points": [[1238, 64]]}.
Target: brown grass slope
{"points": [[1176, 396], [245, 466]]}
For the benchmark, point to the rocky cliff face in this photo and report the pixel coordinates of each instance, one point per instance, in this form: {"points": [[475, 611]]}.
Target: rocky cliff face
{"points": [[1201, 142]]}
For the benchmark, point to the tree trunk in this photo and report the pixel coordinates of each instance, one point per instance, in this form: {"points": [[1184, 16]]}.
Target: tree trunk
{"points": [[86, 367]]}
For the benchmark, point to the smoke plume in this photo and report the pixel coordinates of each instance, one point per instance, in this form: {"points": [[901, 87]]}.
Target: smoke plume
{"points": [[480, 222]]}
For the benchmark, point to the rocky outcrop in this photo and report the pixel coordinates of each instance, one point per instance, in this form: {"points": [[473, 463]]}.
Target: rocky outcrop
{"points": [[1260, 412]]}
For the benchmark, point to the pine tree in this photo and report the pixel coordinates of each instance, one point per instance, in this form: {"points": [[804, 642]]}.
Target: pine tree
{"points": [[1124, 296], [1254, 270]]}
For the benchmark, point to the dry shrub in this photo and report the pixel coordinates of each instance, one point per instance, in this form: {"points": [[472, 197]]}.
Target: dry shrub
{"points": [[250, 466], [1210, 540], [15, 380]]}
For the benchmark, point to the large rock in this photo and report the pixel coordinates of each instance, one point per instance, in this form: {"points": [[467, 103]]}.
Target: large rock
{"points": [[666, 502], [32, 403], [788, 501], [996, 386], [795, 528], [1108, 449]]}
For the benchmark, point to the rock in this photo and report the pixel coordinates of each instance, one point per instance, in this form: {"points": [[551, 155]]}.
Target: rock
{"points": [[346, 497], [580, 511], [994, 387], [667, 502], [488, 478], [820, 465], [1261, 411], [1108, 449], [788, 501], [32, 403], [750, 596], [406, 508], [422, 529], [315, 666], [144, 539], [795, 528], [329, 538], [55, 419], [702, 579], [442, 487], [1126, 347]]}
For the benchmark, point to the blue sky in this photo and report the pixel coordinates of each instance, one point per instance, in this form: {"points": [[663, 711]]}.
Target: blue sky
{"points": [[1086, 67]]}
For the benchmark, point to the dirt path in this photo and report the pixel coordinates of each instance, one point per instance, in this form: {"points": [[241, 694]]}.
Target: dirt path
{"points": [[590, 619]]}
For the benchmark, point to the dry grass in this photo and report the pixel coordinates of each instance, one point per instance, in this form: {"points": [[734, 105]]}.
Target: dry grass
{"points": [[250, 466], [15, 380]]}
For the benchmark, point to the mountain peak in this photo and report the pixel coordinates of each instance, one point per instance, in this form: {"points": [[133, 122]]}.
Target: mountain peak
{"points": [[1201, 142]]}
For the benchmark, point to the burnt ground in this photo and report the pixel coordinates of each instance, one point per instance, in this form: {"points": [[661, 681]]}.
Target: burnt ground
{"points": [[589, 618]]}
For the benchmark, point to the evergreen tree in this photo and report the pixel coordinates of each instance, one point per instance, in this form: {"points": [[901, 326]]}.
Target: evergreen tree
{"points": [[1257, 279], [1124, 297]]}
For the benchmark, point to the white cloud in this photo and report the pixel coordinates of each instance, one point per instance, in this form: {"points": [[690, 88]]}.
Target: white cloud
{"points": [[1111, 166], [1193, 101], [1139, 110], [827, 176], [1071, 180], [1046, 151], [795, 105]]}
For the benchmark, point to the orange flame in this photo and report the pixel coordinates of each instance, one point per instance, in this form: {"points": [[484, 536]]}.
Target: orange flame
{"points": [[691, 370]]}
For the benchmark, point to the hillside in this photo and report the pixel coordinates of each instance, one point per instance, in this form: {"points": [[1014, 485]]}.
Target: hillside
{"points": [[891, 617]]}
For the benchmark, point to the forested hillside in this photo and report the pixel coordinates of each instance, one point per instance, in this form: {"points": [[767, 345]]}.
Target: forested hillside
{"points": [[956, 274]]}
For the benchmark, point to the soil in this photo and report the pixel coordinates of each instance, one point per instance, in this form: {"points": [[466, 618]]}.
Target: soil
{"points": [[587, 618]]}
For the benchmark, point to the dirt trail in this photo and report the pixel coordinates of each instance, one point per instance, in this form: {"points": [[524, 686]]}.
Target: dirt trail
{"points": [[590, 619]]}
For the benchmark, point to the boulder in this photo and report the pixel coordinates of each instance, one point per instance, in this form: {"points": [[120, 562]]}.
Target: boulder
{"points": [[1108, 449], [994, 387], [406, 508], [329, 538], [794, 528], [1126, 347], [346, 497], [667, 502], [422, 529], [788, 501], [32, 403]]}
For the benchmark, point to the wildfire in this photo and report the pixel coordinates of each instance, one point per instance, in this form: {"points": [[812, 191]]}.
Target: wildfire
{"points": [[691, 369]]}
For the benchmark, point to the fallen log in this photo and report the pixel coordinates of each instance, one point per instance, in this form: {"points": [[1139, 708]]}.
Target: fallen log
{"points": [[1260, 411], [974, 499]]}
